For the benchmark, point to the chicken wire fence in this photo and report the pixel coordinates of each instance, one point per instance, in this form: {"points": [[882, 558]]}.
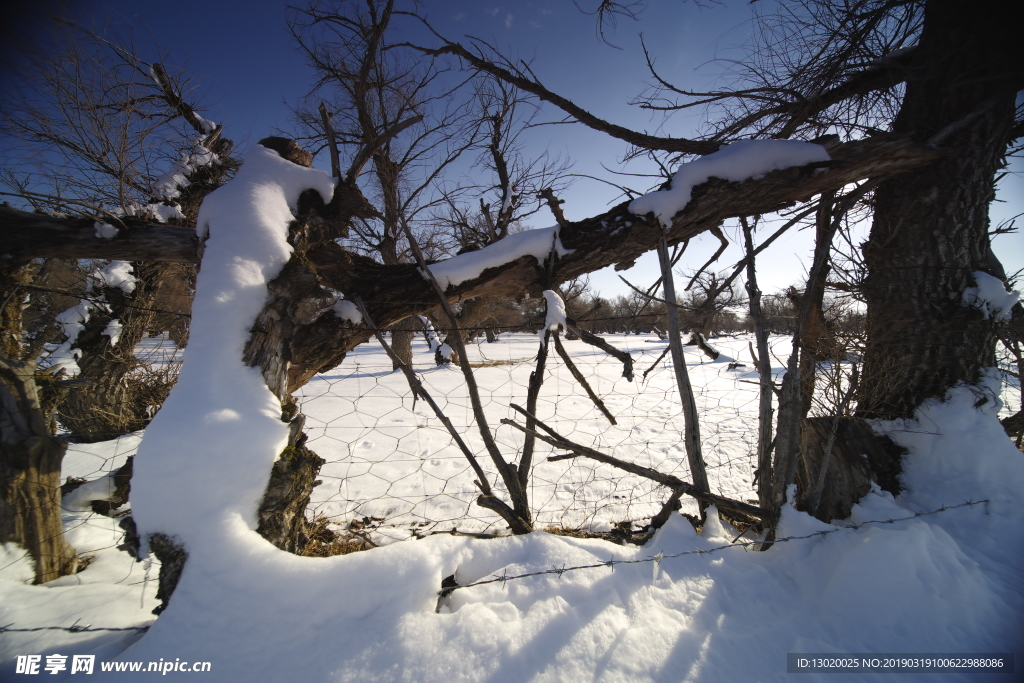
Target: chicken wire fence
{"points": [[392, 471]]}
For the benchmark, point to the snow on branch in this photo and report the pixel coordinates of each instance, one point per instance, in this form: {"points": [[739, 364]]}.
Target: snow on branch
{"points": [[739, 161], [203, 465], [990, 296]]}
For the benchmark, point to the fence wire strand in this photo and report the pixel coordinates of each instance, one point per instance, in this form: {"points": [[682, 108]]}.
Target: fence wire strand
{"points": [[611, 563]]}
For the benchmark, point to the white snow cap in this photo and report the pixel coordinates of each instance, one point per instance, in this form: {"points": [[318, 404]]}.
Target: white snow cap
{"points": [[204, 462], [113, 330], [116, 274], [72, 322], [168, 185], [472, 264], [207, 125], [736, 161], [163, 212], [104, 231], [556, 312], [346, 310], [990, 296]]}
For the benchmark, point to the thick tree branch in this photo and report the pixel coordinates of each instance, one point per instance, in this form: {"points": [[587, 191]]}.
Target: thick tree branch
{"points": [[25, 235], [392, 293]]}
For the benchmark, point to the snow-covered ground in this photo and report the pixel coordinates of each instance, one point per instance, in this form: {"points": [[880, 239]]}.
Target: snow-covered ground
{"points": [[934, 571], [394, 463], [942, 583]]}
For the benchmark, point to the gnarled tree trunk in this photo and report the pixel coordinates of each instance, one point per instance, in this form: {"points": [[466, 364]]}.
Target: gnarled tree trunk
{"points": [[930, 229], [30, 459]]}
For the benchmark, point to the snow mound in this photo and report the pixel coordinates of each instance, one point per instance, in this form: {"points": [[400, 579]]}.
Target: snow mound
{"points": [[203, 464]]}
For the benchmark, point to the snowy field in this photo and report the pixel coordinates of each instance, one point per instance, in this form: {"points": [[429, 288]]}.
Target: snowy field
{"points": [[731, 615], [394, 463], [936, 570]]}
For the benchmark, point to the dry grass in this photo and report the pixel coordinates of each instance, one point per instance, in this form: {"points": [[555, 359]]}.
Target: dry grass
{"points": [[322, 541], [496, 363]]}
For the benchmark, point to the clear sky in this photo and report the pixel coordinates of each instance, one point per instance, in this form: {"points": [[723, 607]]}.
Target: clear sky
{"points": [[248, 73]]}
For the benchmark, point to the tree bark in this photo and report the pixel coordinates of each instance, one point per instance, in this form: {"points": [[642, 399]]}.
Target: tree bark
{"points": [[282, 513], [30, 459], [402, 334], [849, 447], [107, 405], [930, 229]]}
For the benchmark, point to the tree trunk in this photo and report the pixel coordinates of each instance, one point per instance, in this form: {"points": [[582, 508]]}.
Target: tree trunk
{"points": [[282, 513], [402, 334], [107, 405], [848, 448], [930, 229], [30, 459]]}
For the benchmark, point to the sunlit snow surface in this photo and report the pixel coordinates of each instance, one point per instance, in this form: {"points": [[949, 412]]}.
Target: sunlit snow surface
{"points": [[942, 583], [939, 583]]}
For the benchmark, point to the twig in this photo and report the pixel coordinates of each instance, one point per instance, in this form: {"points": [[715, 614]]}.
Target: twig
{"points": [[664, 353], [581, 379], [594, 340], [532, 394], [717, 232], [555, 204], [332, 144]]}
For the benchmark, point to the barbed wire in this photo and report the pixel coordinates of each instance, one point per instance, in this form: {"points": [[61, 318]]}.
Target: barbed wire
{"points": [[74, 628], [559, 571], [611, 563]]}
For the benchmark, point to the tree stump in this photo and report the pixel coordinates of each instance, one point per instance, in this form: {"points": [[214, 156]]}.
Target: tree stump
{"points": [[849, 474]]}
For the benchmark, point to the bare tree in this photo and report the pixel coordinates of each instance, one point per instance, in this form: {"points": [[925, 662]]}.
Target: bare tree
{"points": [[708, 298], [374, 98]]}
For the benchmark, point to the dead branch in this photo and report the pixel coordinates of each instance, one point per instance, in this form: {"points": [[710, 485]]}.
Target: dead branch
{"points": [[674, 483], [332, 143], [691, 422], [578, 376], [555, 204], [594, 340]]}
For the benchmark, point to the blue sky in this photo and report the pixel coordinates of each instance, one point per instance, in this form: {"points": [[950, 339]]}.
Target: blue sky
{"points": [[248, 71]]}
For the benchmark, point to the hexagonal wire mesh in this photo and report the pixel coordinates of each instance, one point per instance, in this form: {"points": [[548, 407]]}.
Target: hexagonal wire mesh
{"points": [[393, 472]]}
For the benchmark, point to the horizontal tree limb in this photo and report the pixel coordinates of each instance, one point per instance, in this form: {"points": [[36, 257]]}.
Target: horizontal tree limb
{"points": [[394, 292], [674, 483], [25, 235]]}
